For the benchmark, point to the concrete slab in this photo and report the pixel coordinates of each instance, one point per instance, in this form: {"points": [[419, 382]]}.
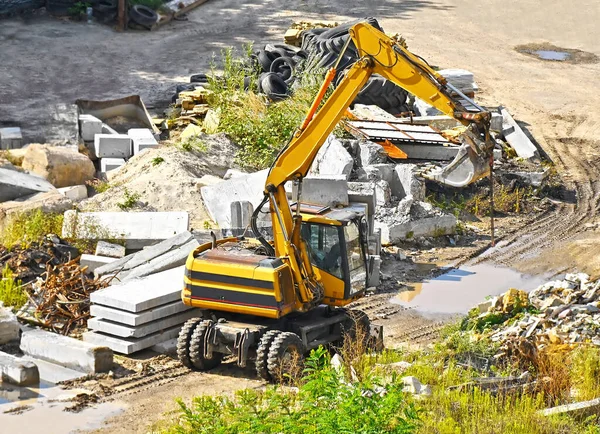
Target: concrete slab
{"points": [[14, 184], [63, 125], [142, 138], [9, 326], [147, 255], [171, 259], [130, 345], [332, 159], [66, 351], [142, 294], [53, 373], [136, 319], [325, 190], [124, 331], [218, 198], [17, 371], [137, 229], [112, 146], [104, 248], [374, 277], [94, 261], [11, 138], [429, 152], [241, 213], [516, 138], [406, 183], [425, 227], [108, 164], [89, 126], [75, 192]]}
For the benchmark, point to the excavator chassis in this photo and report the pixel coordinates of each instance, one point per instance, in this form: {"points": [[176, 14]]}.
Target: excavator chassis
{"points": [[203, 342]]}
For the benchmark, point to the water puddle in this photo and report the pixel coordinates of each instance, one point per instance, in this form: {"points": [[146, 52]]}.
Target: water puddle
{"points": [[460, 289], [552, 53], [38, 409]]}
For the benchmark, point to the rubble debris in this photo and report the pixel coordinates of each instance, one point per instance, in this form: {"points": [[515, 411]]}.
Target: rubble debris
{"points": [[60, 299], [61, 166], [135, 299], [11, 138], [14, 184], [91, 262], [17, 371], [89, 126], [75, 192], [332, 159], [578, 410], [517, 139], [111, 250], [136, 229], [66, 351], [9, 326]]}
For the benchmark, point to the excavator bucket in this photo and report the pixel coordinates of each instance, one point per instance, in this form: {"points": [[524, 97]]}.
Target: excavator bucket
{"points": [[467, 167]]}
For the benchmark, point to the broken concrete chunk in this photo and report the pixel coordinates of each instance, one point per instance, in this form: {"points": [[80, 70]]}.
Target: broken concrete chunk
{"points": [[17, 371], [63, 125], [411, 385], [324, 190], [61, 166], [190, 131], [383, 193], [218, 198], [137, 229], [371, 113], [66, 351], [9, 326], [371, 153], [104, 248], [11, 138], [112, 146], [94, 261], [89, 126], [75, 192], [332, 159], [234, 173], [14, 184], [241, 213], [406, 182], [517, 139]]}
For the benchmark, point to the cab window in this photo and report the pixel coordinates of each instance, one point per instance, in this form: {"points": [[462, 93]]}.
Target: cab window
{"points": [[324, 247]]}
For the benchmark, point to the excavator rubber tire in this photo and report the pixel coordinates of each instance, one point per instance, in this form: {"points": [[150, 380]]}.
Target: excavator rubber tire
{"points": [[280, 361], [199, 362], [262, 353], [183, 341]]}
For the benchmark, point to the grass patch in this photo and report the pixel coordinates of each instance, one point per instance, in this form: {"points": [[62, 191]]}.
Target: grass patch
{"points": [[157, 160], [194, 143], [129, 200], [260, 127], [99, 186], [25, 228], [11, 293]]}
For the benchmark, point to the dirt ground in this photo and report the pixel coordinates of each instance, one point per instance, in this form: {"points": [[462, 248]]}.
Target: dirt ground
{"points": [[47, 61]]}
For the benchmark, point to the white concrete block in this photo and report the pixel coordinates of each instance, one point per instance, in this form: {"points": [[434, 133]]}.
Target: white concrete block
{"points": [[106, 129], [66, 351], [516, 138], [17, 371], [104, 248], [496, 121], [94, 261], [137, 319], [107, 164], [406, 183], [11, 138], [141, 294], [125, 331], [426, 227], [142, 139], [325, 190], [131, 345], [89, 126], [332, 159], [14, 184], [9, 326], [241, 213], [53, 373], [371, 153], [218, 198], [383, 193], [75, 192], [138, 229], [112, 146]]}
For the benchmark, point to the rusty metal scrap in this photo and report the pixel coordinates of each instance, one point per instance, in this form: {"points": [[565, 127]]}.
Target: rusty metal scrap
{"points": [[61, 299]]}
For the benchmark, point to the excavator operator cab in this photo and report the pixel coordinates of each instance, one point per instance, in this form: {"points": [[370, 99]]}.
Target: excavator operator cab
{"points": [[338, 250]]}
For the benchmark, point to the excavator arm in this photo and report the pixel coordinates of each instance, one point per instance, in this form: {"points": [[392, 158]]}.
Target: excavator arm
{"points": [[379, 55]]}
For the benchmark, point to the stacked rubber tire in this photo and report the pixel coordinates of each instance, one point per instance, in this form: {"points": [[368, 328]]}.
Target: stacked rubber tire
{"points": [[105, 11], [143, 16]]}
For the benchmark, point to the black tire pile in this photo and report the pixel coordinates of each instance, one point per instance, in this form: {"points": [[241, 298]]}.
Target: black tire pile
{"points": [[105, 11]]}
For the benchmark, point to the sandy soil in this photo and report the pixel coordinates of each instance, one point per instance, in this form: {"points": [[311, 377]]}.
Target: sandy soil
{"points": [[46, 61]]}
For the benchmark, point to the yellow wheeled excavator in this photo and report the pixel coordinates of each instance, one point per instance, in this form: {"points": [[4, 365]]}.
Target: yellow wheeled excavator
{"points": [[286, 297]]}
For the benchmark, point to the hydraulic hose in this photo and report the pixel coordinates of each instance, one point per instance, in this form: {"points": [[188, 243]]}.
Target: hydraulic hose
{"points": [[259, 236]]}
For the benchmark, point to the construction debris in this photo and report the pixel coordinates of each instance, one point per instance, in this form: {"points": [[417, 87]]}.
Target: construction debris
{"points": [[517, 139], [14, 184], [61, 166]]}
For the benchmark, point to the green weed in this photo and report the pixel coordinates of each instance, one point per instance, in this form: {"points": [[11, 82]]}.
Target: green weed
{"points": [[194, 143], [157, 160], [129, 200], [26, 227], [99, 185], [11, 293], [79, 8]]}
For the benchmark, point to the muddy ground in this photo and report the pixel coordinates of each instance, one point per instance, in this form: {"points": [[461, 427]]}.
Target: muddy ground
{"points": [[46, 61]]}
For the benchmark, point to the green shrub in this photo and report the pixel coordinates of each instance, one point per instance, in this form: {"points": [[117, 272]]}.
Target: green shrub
{"points": [[26, 227], [11, 293], [129, 200], [324, 403]]}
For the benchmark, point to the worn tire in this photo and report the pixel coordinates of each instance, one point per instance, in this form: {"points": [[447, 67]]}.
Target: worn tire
{"points": [[283, 66], [199, 363], [198, 78], [265, 58], [183, 341], [262, 353], [285, 353], [143, 15], [274, 86]]}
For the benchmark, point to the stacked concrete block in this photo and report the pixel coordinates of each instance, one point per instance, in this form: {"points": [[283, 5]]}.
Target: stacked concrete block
{"points": [[142, 138], [66, 351], [112, 146], [140, 313], [11, 138], [89, 126], [137, 229], [108, 164]]}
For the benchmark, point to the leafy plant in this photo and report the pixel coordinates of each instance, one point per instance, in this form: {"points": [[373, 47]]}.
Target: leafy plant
{"points": [[194, 143], [11, 293], [129, 200], [78, 9], [26, 227], [99, 185], [157, 160]]}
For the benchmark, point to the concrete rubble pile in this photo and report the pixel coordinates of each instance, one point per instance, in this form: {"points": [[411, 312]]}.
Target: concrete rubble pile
{"points": [[569, 312]]}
